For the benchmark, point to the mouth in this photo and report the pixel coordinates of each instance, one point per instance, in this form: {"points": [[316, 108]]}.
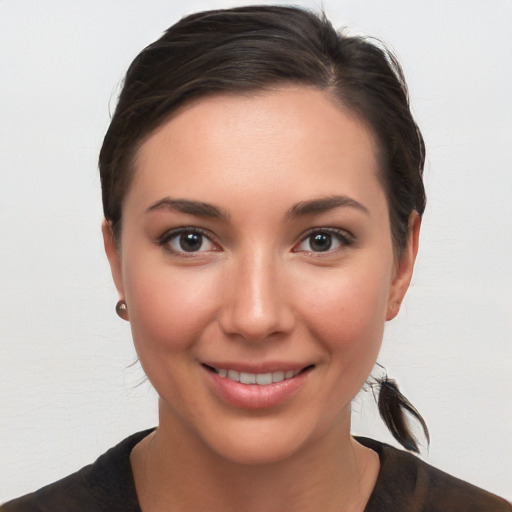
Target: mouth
{"points": [[260, 379], [256, 387]]}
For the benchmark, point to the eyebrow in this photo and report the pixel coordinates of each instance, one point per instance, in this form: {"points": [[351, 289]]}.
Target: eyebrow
{"points": [[197, 208], [325, 204], [312, 207]]}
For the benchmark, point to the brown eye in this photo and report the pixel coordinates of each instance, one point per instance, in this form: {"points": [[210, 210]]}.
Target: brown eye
{"points": [[325, 240], [188, 241], [320, 242]]}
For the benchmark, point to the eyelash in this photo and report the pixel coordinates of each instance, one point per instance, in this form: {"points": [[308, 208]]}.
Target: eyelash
{"points": [[344, 239], [175, 234]]}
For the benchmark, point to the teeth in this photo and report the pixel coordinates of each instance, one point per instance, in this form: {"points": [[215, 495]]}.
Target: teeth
{"points": [[262, 379], [233, 375], [278, 376], [247, 378]]}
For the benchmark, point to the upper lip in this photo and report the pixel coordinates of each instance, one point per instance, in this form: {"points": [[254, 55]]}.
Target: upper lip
{"points": [[266, 367]]}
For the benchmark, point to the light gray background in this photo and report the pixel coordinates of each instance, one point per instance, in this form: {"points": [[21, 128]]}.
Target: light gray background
{"points": [[67, 390]]}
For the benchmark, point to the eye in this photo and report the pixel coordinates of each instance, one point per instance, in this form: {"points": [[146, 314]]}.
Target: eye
{"points": [[187, 240], [323, 240]]}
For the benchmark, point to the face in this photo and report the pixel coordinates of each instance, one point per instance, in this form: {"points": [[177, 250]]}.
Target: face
{"points": [[258, 269]]}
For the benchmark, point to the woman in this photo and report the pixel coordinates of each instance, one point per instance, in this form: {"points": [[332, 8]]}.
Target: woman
{"points": [[262, 190]]}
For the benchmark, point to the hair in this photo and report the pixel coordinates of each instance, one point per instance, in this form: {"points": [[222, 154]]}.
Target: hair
{"points": [[252, 49]]}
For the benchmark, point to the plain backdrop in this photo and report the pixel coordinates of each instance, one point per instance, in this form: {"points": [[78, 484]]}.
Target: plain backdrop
{"points": [[68, 386]]}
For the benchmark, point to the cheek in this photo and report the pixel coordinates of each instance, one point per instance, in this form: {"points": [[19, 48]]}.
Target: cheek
{"points": [[347, 312], [168, 308]]}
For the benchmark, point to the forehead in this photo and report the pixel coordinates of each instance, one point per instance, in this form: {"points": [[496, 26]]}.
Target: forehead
{"points": [[295, 140]]}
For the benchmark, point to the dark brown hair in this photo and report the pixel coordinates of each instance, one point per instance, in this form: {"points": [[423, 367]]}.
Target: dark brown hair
{"points": [[250, 49]]}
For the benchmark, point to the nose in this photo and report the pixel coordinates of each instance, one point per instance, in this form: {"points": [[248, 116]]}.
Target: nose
{"points": [[256, 303]]}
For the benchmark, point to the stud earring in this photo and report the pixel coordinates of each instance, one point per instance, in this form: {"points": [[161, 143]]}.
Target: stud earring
{"points": [[122, 310]]}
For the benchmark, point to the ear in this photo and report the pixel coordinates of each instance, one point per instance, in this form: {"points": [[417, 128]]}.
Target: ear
{"points": [[404, 267], [114, 256]]}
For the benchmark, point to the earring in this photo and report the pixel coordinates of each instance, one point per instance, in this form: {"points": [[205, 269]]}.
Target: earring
{"points": [[122, 310]]}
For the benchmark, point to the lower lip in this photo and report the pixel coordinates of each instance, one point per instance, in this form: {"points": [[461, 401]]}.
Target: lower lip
{"points": [[254, 396]]}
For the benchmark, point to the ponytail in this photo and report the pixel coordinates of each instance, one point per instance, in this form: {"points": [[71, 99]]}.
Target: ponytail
{"points": [[392, 408]]}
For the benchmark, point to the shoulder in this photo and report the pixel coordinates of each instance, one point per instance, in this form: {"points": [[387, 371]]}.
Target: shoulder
{"points": [[406, 483], [105, 485]]}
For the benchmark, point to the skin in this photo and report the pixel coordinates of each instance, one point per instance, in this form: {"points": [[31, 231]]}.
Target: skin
{"points": [[258, 291]]}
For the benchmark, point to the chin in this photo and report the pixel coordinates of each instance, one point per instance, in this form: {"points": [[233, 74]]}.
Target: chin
{"points": [[256, 450], [260, 441]]}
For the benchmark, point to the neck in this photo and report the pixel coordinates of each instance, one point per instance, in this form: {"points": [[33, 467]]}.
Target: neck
{"points": [[172, 466]]}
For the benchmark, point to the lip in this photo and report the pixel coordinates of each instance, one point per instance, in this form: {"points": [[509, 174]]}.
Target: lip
{"points": [[255, 396], [267, 367]]}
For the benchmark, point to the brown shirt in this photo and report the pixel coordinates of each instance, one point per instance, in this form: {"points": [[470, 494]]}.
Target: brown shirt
{"points": [[404, 484]]}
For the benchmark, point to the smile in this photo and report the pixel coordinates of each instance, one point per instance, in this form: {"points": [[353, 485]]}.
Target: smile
{"points": [[256, 390], [262, 379]]}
